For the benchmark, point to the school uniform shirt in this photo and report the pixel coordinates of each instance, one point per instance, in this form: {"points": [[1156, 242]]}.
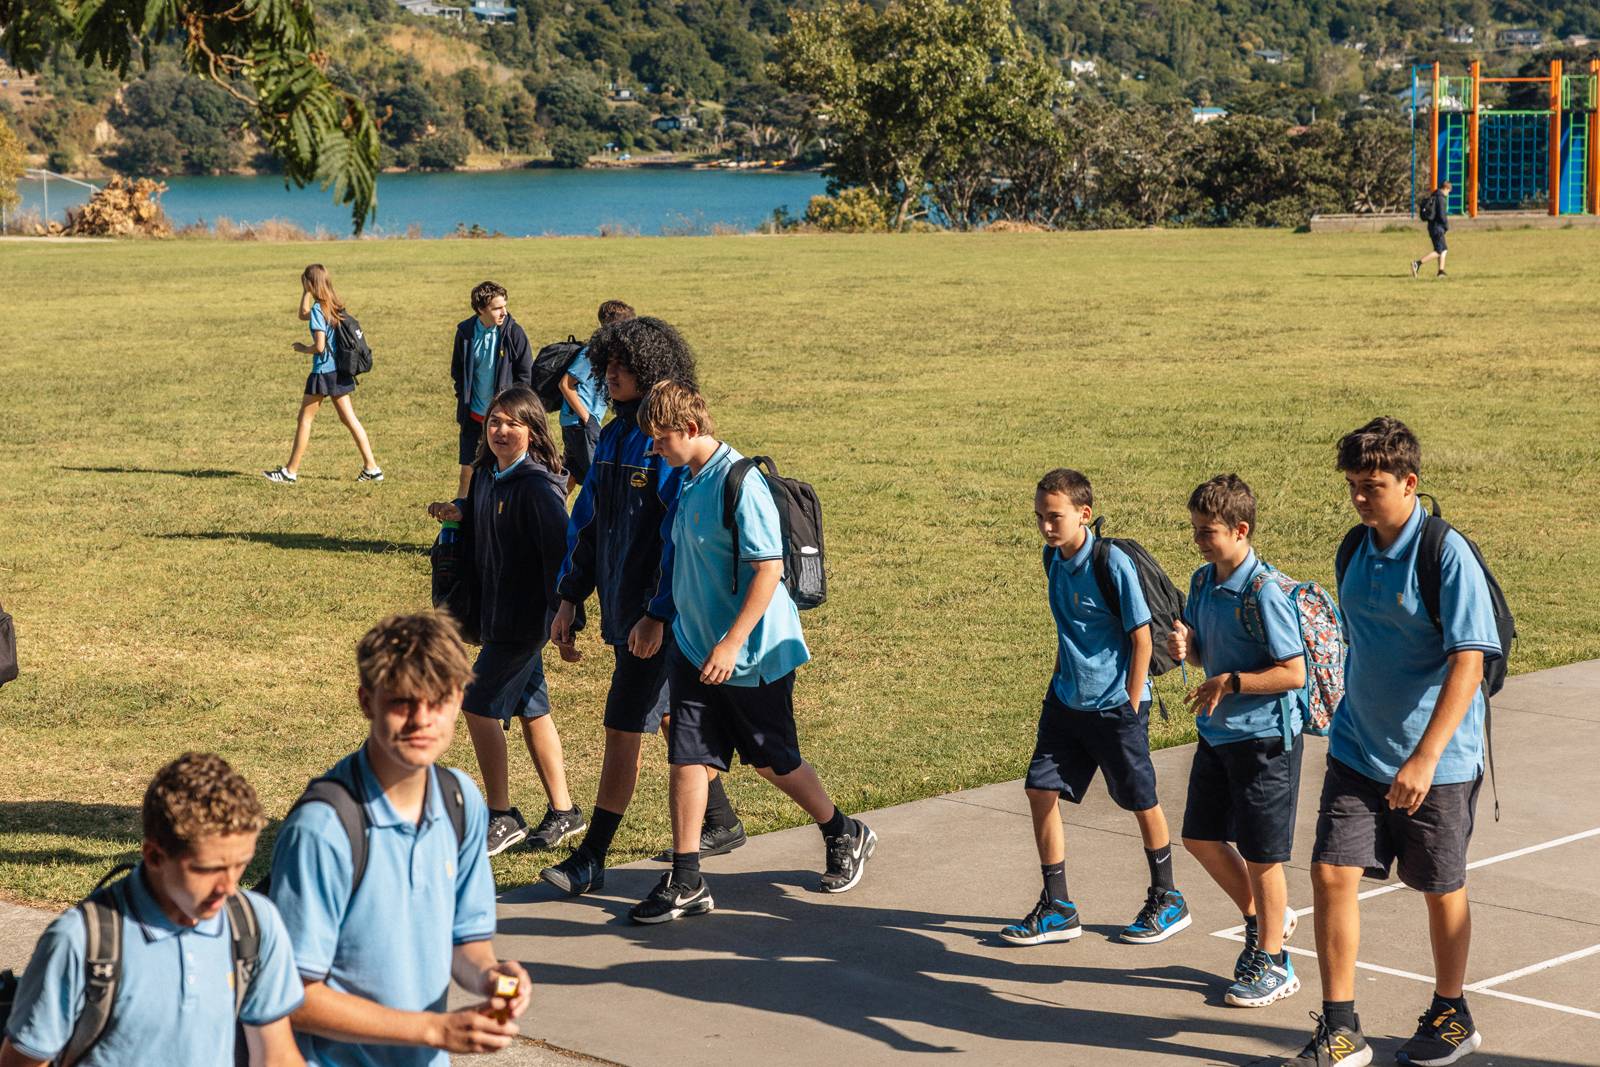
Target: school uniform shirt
{"points": [[323, 363], [175, 1003], [703, 569], [616, 545], [1094, 650], [591, 390], [423, 893], [513, 365], [1214, 613], [485, 344], [1398, 659]]}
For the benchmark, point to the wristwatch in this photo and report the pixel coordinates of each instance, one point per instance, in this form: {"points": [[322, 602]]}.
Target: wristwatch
{"points": [[1234, 685]]}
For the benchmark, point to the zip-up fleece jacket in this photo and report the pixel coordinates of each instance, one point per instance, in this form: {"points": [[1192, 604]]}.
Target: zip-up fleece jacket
{"points": [[619, 540], [516, 527], [513, 363]]}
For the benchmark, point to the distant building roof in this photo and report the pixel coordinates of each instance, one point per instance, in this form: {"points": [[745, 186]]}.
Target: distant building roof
{"points": [[1209, 114]]}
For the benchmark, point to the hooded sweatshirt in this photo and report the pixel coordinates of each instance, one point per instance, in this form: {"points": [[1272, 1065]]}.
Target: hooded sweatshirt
{"points": [[515, 525]]}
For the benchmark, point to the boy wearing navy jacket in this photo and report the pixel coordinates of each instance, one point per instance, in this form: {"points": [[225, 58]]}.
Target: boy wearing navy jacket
{"points": [[1405, 752], [617, 548], [489, 355], [1246, 775]]}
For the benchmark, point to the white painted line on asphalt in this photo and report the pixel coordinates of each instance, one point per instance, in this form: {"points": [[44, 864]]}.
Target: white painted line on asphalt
{"points": [[1533, 968], [1587, 1014]]}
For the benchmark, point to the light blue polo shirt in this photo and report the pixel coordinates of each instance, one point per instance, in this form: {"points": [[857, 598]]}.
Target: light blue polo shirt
{"points": [[322, 364], [485, 346], [175, 1003], [591, 390], [421, 896], [702, 574], [1094, 648], [1398, 659], [1212, 612]]}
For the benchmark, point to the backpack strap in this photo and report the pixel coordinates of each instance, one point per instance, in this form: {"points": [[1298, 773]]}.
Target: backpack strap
{"points": [[732, 486], [1347, 552], [1100, 560], [245, 931], [352, 812], [102, 912], [455, 803]]}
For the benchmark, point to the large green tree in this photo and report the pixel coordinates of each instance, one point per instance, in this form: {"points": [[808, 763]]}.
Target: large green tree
{"points": [[263, 52]]}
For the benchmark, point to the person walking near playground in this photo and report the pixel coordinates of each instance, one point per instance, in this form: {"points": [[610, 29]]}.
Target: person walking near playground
{"points": [[1245, 780], [737, 647], [321, 307], [1406, 749], [489, 355], [514, 522], [1096, 717], [618, 549], [584, 401], [1435, 211]]}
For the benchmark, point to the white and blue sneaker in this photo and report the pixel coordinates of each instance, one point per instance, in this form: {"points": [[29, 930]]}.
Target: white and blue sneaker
{"points": [[1265, 981], [1241, 966], [1164, 914], [1050, 920]]}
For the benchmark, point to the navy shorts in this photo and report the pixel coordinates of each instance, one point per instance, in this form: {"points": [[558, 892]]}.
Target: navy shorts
{"points": [[1356, 828], [1072, 744], [579, 442], [712, 722], [508, 682], [329, 383], [467, 446], [638, 696], [1245, 792], [1437, 237]]}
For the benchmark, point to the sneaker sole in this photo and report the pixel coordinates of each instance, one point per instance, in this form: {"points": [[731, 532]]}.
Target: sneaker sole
{"points": [[861, 868], [1044, 937], [512, 839], [1181, 924], [1466, 1048], [699, 907], [559, 879], [1288, 989]]}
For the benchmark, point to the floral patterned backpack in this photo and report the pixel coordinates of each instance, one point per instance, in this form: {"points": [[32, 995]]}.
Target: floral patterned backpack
{"points": [[1322, 633]]}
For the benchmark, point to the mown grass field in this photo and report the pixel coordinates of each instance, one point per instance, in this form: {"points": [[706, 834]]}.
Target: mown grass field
{"points": [[168, 598]]}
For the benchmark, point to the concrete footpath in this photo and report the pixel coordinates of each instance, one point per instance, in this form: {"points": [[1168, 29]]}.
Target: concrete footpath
{"points": [[908, 964]]}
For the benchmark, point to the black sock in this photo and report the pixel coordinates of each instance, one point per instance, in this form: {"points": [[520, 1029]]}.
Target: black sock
{"points": [[1337, 1013], [1160, 861], [836, 825], [686, 868], [602, 828], [1458, 1003], [1055, 880], [719, 811]]}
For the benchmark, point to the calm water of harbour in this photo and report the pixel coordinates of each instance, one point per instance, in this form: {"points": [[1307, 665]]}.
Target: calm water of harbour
{"points": [[518, 203]]}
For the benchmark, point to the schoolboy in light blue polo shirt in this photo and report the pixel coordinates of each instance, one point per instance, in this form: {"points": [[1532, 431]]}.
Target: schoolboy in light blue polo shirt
{"points": [[732, 668], [1095, 717], [175, 1000], [378, 961], [1405, 753], [1244, 782]]}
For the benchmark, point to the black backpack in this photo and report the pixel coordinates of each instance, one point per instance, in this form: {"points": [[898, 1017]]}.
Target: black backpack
{"points": [[455, 582], [350, 805], [550, 365], [1160, 595], [1430, 549], [1426, 208], [102, 911], [351, 354], [8, 648], [799, 516]]}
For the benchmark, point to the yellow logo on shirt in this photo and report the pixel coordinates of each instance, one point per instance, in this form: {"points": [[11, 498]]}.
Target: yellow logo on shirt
{"points": [[1400, 598], [449, 869], [638, 480]]}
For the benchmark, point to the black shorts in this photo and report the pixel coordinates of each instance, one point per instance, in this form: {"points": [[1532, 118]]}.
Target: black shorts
{"points": [[329, 383], [638, 696], [579, 442], [467, 445], [712, 722], [1437, 237], [1356, 828], [1245, 792], [1072, 744], [508, 682]]}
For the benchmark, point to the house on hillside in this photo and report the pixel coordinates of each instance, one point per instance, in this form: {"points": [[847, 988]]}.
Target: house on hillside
{"points": [[430, 9], [493, 11], [1209, 114], [1270, 55], [668, 123], [1578, 40], [1464, 33], [1520, 38], [1079, 67]]}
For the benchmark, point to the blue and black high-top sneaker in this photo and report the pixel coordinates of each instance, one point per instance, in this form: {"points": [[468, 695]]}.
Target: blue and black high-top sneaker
{"points": [[1443, 1036], [1164, 914], [1264, 981], [1050, 920]]}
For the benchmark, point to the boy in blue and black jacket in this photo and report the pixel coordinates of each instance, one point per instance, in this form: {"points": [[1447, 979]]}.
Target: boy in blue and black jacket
{"points": [[489, 355], [617, 547]]}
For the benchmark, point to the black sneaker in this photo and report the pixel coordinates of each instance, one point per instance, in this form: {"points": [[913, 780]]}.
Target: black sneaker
{"points": [[370, 476], [1333, 1045], [1050, 920], [557, 826], [670, 900], [1164, 913], [506, 830], [719, 841], [847, 857], [1416, 265], [576, 875], [280, 475], [1443, 1036]]}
